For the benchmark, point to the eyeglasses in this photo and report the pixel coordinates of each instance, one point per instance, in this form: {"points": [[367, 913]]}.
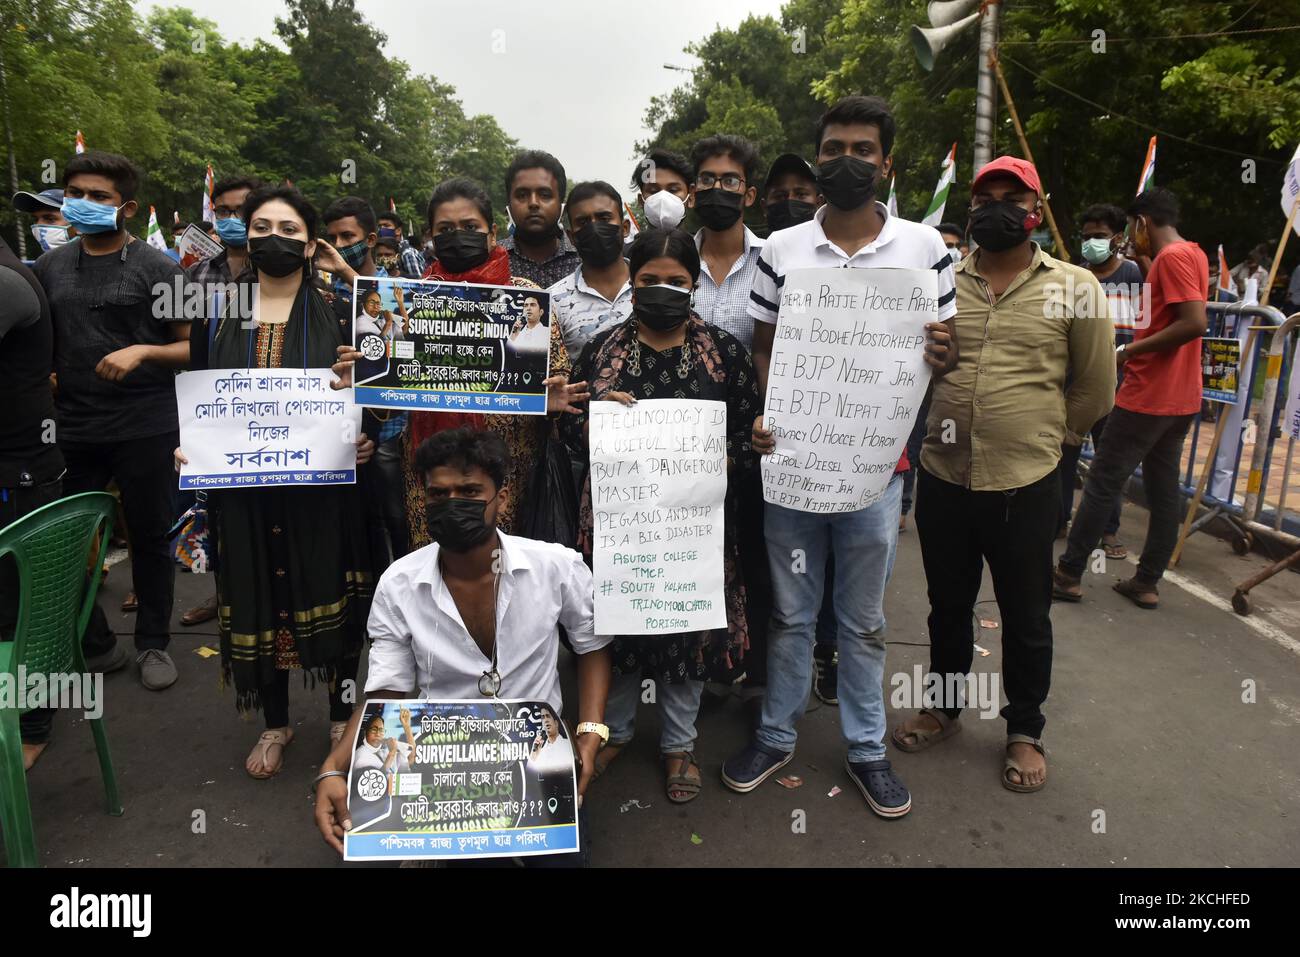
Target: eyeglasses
{"points": [[729, 181]]}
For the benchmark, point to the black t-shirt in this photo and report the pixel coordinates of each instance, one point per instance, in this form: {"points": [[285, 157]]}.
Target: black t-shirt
{"points": [[101, 304]]}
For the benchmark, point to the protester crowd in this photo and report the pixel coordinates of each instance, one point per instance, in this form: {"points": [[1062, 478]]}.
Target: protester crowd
{"points": [[439, 566]]}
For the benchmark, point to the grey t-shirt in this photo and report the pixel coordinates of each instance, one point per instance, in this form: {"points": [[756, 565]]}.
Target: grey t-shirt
{"points": [[101, 304]]}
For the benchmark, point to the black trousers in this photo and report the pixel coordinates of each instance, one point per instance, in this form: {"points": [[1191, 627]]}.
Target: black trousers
{"points": [[1066, 470], [146, 477], [1132, 438], [275, 696], [1013, 531]]}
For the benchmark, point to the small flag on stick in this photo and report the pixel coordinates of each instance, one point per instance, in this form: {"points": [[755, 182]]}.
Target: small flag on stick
{"points": [[155, 236], [1148, 177], [81, 142], [947, 176]]}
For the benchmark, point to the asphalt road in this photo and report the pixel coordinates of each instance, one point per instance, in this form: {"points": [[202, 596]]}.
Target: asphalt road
{"points": [[1154, 757]]}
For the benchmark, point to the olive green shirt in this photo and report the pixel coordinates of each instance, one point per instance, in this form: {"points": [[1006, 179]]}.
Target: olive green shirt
{"points": [[997, 420]]}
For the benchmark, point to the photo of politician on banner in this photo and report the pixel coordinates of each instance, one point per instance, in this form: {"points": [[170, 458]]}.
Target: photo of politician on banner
{"points": [[461, 347], [461, 779], [847, 377]]}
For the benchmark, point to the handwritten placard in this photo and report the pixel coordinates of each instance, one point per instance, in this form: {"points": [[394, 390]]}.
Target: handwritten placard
{"points": [[846, 378], [658, 481], [244, 428]]}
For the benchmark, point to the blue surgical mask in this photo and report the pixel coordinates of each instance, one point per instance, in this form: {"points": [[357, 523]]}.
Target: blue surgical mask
{"points": [[1096, 251], [90, 218], [47, 237], [232, 231]]}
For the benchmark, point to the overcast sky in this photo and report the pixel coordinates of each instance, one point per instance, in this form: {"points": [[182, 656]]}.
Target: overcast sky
{"points": [[576, 75]]}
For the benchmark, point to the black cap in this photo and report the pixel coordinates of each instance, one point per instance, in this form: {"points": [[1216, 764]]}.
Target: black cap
{"points": [[789, 163]]}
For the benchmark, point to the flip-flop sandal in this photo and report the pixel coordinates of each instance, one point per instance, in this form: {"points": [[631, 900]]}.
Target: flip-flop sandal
{"points": [[130, 603], [1059, 593], [1012, 765], [924, 738], [268, 740], [680, 781], [1116, 551], [1131, 590]]}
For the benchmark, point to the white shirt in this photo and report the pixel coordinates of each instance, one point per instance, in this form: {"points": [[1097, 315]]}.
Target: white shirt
{"points": [[533, 338], [901, 245], [554, 756], [370, 757], [584, 313], [724, 303], [421, 643]]}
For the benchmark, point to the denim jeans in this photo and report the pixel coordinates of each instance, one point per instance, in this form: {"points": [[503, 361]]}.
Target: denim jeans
{"points": [[679, 706], [1132, 438], [863, 543]]}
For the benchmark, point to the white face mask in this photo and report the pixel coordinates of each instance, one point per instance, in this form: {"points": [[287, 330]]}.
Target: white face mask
{"points": [[47, 237], [664, 210], [955, 253]]}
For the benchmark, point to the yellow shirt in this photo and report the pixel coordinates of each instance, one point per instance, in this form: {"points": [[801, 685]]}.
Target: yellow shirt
{"points": [[998, 419]]}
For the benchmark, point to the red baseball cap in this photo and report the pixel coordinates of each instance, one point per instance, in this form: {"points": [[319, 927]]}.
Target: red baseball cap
{"points": [[1014, 167]]}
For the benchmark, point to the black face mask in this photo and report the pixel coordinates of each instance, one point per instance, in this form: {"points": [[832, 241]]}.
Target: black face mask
{"points": [[999, 226], [277, 256], [787, 213], [661, 308], [461, 250], [718, 209], [847, 182], [457, 524], [599, 244]]}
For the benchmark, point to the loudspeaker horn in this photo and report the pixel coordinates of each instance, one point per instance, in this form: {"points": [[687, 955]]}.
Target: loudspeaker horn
{"points": [[927, 42]]}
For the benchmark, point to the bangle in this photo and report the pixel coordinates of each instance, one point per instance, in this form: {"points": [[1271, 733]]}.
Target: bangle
{"points": [[323, 775]]}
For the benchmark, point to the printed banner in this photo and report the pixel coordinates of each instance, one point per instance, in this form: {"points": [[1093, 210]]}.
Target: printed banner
{"points": [[461, 779], [195, 246], [243, 428], [1291, 417], [456, 347], [658, 481], [846, 379], [1220, 369]]}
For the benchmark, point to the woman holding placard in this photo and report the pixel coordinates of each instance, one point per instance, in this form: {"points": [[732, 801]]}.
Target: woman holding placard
{"points": [[295, 575], [665, 351]]}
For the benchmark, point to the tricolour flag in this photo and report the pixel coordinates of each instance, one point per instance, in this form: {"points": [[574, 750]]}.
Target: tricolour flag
{"points": [[893, 197], [155, 236], [947, 176], [81, 142], [207, 196], [630, 218], [1148, 177], [1225, 274], [392, 205]]}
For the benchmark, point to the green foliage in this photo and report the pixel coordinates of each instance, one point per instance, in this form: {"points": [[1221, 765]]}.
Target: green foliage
{"points": [[170, 93], [1088, 114]]}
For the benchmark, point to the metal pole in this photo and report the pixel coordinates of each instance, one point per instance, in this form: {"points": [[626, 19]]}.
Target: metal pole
{"points": [[986, 87]]}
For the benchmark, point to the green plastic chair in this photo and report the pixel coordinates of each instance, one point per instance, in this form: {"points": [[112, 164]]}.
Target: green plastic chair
{"points": [[50, 547]]}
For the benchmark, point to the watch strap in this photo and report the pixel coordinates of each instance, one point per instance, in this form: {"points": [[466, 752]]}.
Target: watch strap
{"points": [[594, 728]]}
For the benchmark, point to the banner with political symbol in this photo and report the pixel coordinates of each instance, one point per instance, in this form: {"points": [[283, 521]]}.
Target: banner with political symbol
{"points": [[458, 347], [461, 779], [845, 381]]}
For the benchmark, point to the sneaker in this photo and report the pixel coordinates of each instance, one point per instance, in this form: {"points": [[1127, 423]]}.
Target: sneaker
{"points": [[156, 669], [110, 661], [879, 784], [826, 675], [751, 767]]}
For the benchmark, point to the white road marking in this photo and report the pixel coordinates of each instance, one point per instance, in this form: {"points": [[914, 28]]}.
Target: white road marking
{"points": [[1250, 621]]}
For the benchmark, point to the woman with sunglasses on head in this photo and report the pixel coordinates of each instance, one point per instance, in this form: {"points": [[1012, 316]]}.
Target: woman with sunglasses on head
{"points": [[295, 576], [665, 351]]}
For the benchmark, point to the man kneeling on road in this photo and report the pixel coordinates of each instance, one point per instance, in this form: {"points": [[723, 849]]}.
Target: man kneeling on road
{"points": [[438, 613]]}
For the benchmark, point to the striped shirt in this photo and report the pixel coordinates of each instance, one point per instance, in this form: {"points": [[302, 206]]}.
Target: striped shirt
{"points": [[725, 304], [900, 245]]}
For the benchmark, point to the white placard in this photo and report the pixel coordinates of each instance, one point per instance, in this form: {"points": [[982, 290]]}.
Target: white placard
{"points": [[1291, 189], [1291, 417], [195, 246], [244, 428], [846, 379], [658, 482]]}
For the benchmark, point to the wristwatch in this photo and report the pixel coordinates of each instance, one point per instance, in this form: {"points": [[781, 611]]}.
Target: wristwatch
{"points": [[594, 728], [1121, 348]]}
